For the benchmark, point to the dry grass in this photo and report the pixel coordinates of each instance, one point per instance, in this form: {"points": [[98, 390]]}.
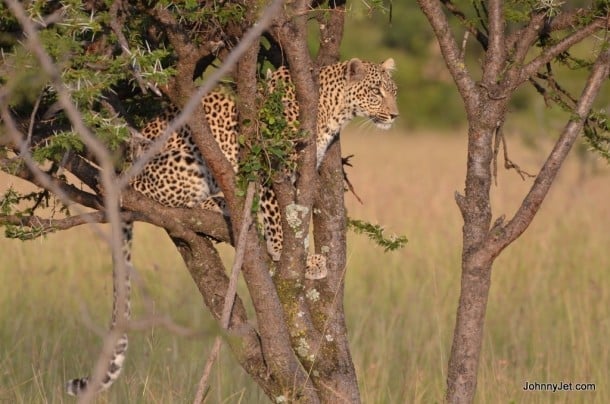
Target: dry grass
{"points": [[548, 314]]}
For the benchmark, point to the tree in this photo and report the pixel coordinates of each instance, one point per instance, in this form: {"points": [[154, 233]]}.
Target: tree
{"points": [[78, 78], [523, 42]]}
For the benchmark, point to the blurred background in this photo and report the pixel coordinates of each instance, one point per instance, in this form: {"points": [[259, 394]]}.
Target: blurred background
{"points": [[548, 315]]}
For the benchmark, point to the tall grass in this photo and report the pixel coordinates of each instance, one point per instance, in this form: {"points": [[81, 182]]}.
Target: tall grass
{"points": [[548, 316]]}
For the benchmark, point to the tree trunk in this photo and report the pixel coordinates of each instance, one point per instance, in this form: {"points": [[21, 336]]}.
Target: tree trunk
{"points": [[339, 381], [476, 262], [468, 333]]}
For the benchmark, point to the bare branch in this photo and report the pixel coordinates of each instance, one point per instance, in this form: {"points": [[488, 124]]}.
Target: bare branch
{"points": [[67, 193], [470, 27], [497, 241], [549, 54], [331, 25], [110, 188], [495, 57], [520, 40], [181, 222], [48, 225], [166, 322], [451, 52]]}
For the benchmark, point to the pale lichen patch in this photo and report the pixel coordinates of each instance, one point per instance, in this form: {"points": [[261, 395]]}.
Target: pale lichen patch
{"points": [[313, 295], [303, 348], [294, 216]]}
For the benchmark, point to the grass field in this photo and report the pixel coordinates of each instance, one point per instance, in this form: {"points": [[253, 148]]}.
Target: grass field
{"points": [[548, 317]]}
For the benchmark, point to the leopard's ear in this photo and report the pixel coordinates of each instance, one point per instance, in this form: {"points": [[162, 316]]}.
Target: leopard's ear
{"points": [[388, 65], [355, 70]]}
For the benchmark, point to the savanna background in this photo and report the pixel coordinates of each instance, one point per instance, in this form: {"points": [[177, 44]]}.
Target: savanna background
{"points": [[548, 317]]}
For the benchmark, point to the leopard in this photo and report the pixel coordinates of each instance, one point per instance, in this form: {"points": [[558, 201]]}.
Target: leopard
{"points": [[178, 175]]}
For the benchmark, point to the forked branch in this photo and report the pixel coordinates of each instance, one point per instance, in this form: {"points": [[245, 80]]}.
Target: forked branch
{"points": [[530, 205]]}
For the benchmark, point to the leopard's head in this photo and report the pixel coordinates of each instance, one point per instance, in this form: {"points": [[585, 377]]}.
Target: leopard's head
{"points": [[371, 91]]}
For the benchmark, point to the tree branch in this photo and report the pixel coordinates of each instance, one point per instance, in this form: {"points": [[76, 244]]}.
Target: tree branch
{"points": [[502, 237], [111, 191], [44, 226], [521, 41], [178, 220], [67, 193], [470, 27], [116, 23], [451, 53], [331, 31], [550, 53], [495, 57]]}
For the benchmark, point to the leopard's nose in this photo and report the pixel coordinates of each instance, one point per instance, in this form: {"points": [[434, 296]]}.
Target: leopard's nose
{"points": [[394, 116]]}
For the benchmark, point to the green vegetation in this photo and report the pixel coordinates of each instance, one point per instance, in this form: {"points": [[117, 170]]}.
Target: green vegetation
{"points": [[427, 96], [547, 318], [376, 233], [275, 141]]}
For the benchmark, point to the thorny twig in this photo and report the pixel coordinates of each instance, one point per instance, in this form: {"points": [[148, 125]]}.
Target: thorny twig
{"points": [[254, 32], [116, 28]]}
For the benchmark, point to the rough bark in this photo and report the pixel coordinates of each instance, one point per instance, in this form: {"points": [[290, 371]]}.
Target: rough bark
{"points": [[503, 70], [269, 350], [330, 221]]}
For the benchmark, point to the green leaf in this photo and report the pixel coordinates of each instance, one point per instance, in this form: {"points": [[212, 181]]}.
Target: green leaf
{"points": [[376, 233]]}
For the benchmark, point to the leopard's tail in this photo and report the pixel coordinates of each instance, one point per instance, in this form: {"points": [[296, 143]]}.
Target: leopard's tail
{"points": [[77, 386]]}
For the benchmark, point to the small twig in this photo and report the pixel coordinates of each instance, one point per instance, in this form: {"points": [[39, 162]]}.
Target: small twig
{"points": [[231, 292], [28, 140], [481, 37], [152, 319], [508, 163], [345, 162]]}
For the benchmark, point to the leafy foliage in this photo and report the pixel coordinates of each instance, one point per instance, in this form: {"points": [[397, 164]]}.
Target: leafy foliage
{"points": [[9, 199], [375, 233], [597, 133], [57, 146], [273, 148], [22, 205]]}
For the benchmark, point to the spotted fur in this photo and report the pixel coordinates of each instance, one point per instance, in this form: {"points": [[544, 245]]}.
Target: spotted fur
{"points": [[77, 386], [347, 89], [178, 176]]}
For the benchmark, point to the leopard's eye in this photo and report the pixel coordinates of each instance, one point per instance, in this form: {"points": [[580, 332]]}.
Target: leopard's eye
{"points": [[376, 90]]}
